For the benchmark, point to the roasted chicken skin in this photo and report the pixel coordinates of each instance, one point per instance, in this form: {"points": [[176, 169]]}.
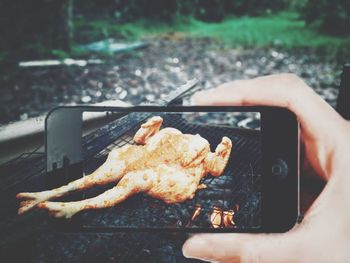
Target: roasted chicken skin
{"points": [[165, 164]]}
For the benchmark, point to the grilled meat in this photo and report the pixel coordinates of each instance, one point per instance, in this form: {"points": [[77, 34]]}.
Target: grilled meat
{"points": [[165, 164]]}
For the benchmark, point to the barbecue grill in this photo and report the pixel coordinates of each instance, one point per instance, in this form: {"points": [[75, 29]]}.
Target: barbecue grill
{"points": [[237, 189]]}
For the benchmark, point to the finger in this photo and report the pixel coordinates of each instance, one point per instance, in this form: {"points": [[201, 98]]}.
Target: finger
{"points": [[284, 90], [242, 247]]}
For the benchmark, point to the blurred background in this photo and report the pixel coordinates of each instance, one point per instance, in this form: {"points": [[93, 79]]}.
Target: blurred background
{"points": [[137, 50], [89, 51]]}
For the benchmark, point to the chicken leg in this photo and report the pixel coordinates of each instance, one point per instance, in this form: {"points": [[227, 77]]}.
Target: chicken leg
{"points": [[111, 171], [132, 183]]}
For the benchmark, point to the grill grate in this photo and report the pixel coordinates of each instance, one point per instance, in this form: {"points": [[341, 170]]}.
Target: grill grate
{"points": [[27, 173], [239, 186]]}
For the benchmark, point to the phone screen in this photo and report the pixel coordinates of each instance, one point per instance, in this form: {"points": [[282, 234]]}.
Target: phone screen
{"points": [[183, 154]]}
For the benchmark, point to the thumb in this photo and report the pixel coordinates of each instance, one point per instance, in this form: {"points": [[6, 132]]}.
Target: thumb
{"points": [[242, 247]]}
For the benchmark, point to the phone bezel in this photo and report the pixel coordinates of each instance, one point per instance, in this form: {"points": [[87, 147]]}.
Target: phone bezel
{"points": [[280, 139]]}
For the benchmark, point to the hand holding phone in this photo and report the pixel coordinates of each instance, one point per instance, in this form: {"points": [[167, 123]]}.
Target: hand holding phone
{"points": [[323, 234]]}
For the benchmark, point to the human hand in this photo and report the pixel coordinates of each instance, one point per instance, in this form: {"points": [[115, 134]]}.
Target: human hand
{"points": [[324, 234]]}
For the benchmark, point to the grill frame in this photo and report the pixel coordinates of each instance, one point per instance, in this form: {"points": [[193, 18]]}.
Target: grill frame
{"points": [[89, 142]]}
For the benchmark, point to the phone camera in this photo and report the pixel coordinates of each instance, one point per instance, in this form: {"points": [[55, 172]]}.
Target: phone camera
{"points": [[280, 169]]}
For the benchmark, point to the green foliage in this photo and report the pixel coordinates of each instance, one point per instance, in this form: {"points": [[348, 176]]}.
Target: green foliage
{"points": [[332, 17], [27, 31], [283, 30], [59, 53]]}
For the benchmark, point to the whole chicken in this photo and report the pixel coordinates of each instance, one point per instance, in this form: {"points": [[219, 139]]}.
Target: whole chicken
{"points": [[165, 164]]}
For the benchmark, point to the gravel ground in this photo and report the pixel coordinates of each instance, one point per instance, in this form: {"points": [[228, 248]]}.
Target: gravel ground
{"points": [[145, 75]]}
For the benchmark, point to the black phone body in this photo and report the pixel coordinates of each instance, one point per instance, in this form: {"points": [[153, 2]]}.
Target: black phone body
{"points": [[258, 191]]}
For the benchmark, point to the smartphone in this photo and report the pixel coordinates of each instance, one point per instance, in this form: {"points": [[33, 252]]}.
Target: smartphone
{"points": [[255, 187]]}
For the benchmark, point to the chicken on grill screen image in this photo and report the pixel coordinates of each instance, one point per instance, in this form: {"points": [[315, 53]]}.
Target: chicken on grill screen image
{"points": [[178, 170]]}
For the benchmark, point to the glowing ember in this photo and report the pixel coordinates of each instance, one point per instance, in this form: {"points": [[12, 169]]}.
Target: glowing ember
{"points": [[196, 212], [219, 218], [228, 218], [216, 217]]}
